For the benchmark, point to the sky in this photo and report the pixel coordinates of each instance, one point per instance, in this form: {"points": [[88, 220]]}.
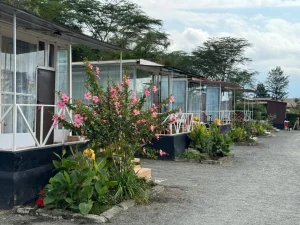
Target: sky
{"points": [[272, 26]]}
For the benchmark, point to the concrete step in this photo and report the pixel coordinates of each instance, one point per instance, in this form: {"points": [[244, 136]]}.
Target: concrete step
{"points": [[136, 160], [144, 172], [137, 168]]}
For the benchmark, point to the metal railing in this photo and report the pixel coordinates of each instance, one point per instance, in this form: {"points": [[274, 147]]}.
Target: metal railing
{"points": [[41, 139], [185, 122]]}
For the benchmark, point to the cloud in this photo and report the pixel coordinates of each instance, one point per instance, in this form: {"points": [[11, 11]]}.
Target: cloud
{"points": [[275, 38], [204, 4]]}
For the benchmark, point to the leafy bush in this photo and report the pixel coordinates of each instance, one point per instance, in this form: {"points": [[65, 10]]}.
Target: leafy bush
{"points": [[237, 134], [79, 183], [191, 153], [292, 117], [117, 126], [210, 141]]}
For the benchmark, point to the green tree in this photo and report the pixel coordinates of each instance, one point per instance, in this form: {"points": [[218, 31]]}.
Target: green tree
{"points": [[119, 22], [222, 59], [261, 91], [277, 83]]}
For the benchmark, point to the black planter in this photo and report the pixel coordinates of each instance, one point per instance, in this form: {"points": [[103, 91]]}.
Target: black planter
{"points": [[24, 173]]}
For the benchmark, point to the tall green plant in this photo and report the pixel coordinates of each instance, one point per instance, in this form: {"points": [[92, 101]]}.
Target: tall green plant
{"points": [[114, 122], [80, 182]]}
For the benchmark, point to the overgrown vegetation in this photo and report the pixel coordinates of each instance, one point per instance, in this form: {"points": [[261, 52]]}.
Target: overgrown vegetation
{"points": [[210, 141], [117, 126]]}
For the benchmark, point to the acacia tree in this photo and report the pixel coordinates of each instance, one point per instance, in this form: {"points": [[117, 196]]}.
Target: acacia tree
{"points": [[261, 91], [277, 83], [119, 22], [222, 59]]}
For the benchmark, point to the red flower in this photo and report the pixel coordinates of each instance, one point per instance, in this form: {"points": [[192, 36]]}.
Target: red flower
{"points": [[40, 202], [42, 192]]}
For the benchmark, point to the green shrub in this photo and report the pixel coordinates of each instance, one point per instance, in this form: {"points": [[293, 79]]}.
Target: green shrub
{"points": [[210, 141], [191, 153], [237, 134], [79, 183], [292, 117]]}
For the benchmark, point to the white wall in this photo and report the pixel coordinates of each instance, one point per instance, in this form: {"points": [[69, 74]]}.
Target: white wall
{"points": [[22, 140]]}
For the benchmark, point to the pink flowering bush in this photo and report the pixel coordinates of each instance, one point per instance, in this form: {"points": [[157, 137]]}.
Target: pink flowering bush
{"points": [[113, 121]]}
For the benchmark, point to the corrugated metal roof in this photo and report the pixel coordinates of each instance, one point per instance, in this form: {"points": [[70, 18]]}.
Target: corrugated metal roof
{"points": [[30, 21]]}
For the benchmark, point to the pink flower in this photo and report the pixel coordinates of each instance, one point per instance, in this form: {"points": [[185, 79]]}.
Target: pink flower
{"points": [[54, 125], [82, 132], [85, 118], [113, 92], [162, 153], [154, 89], [95, 99], [171, 99], [94, 112], [65, 97], [62, 116], [117, 111], [77, 123], [154, 106], [146, 92], [104, 121], [157, 136], [127, 82], [87, 96], [136, 112], [151, 109], [152, 128], [55, 118], [97, 70], [134, 98], [90, 66], [138, 122], [154, 114], [120, 86], [78, 117], [180, 111], [98, 77], [61, 104], [143, 140], [117, 104]]}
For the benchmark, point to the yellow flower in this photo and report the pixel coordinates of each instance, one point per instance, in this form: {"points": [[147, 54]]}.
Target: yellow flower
{"points": [[217, 121], [196, 119], [90, 153]]}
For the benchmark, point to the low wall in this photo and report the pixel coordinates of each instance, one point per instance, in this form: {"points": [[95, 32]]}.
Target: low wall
{"points": [[24, 173], [175, 144]]}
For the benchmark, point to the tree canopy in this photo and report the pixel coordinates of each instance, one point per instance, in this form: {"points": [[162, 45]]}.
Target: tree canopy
{"points": [[261, 91], [277, 83], [223, 58]]}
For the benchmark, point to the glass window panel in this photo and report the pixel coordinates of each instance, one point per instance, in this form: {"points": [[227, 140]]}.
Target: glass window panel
{"points": [[194, 98], [212, 102], [51, 55], [179, 92], [26, 80], [62, 70], [143, 82], [41, 53], [107, 73]]}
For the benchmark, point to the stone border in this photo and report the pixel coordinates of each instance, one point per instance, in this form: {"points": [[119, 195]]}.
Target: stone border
{"points": [[219, 161], [104, 217]]}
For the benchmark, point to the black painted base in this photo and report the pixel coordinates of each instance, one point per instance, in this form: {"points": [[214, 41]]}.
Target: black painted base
{"points": [[174, 145], [24, 173]]}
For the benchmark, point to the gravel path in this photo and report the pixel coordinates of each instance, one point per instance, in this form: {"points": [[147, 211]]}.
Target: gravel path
{"points": [[260, 185]]}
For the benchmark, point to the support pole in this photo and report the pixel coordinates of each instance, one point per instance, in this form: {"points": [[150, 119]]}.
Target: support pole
{"points": [[234, 104], [70, 73], [121, 66], [220, 102], [15, 79], [200, 98], [70, 85]]}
